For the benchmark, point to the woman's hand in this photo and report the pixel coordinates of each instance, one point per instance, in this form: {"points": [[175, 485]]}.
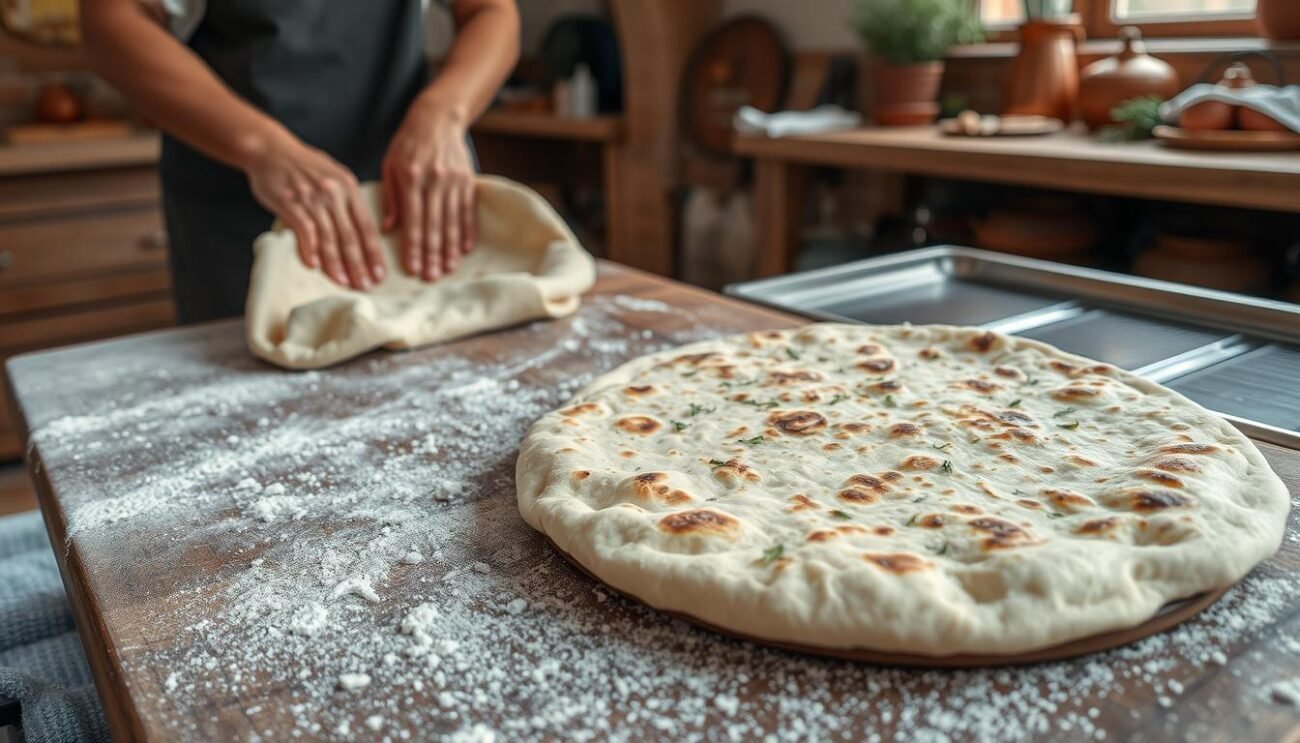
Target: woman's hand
{"points": [[428, 181], [319, 199]]}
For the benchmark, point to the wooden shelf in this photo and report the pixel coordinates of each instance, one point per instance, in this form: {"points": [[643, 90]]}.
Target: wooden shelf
{"points": [[1070, 161], [137, 149], [549, 126]]}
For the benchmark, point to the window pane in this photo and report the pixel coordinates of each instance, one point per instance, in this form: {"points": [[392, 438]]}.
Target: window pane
{"points": [[1182, 9], [996, 13]]}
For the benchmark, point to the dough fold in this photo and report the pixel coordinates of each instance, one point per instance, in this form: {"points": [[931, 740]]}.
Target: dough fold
{"points": [[527, 265]]}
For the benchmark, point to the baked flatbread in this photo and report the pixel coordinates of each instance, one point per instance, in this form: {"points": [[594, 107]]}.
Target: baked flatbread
{"points": [[929, 489], [526, 265]]}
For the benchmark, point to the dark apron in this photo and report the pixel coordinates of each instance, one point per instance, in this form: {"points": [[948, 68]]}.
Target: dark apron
{"points": [[339, 75]]}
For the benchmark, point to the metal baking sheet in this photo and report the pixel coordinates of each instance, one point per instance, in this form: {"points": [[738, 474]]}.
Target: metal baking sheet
{"points": [[1127, 341], [1238, 356], [1248, 386]]}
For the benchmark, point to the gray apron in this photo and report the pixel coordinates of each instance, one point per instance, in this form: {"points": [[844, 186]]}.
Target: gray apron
{"points": [[339, 75]]}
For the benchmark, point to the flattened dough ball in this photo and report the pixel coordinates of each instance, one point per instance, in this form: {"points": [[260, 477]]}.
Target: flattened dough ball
{"points": [[527, 265]]}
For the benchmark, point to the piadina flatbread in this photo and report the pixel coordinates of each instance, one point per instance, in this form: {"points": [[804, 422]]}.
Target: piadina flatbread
{"points": [[929, 489]]}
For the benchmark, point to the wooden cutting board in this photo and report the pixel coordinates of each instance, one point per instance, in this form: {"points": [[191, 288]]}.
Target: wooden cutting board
{"points": [[84, 131]]}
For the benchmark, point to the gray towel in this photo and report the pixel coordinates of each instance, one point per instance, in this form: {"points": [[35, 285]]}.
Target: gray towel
{"points": [[1280, 104], [42, 664]]}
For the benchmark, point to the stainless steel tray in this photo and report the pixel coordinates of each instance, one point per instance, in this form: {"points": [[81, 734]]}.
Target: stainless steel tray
{"points": [[1238, 356]]}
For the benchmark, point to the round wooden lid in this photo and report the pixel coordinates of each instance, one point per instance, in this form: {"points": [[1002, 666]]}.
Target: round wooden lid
{"points": [[742, 62]]}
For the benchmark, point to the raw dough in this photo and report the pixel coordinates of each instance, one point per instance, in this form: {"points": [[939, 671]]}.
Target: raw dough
{"points": [[927, 489], [527, 265]]}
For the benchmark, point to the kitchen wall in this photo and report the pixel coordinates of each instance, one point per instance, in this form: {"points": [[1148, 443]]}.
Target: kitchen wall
{"points": [[807, 24]]}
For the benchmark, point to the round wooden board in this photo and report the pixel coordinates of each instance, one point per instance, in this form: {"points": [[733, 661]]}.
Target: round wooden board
{"points": [[1169, 616], [1226, 141], [743, 61]]}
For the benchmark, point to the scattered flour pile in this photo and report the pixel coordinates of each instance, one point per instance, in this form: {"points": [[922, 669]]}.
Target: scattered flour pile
{"points": [[379, 584]]}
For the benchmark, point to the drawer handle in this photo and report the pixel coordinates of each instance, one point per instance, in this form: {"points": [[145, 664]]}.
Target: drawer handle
{"points": [[152, 242], [6, 259]]}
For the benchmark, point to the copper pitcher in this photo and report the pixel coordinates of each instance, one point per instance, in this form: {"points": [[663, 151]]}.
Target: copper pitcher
{"points": [[1044, 77]]}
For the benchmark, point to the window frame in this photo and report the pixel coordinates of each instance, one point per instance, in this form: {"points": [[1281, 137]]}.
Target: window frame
{"points": [[1098, 24]]}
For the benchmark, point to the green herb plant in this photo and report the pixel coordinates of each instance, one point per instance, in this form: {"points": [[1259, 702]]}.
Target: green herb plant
{"points": [[1136, 118], [905, 32]]}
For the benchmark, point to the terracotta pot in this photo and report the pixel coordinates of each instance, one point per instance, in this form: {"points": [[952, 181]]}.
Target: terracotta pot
{"points": [[1042, 229], [905, 95], [1044, 76], [1216, 264], [1130, 74], [1278, 19]]}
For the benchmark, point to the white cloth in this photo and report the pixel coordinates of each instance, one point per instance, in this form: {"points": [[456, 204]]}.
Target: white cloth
{"points": [[1280, 104], [828, 118]]}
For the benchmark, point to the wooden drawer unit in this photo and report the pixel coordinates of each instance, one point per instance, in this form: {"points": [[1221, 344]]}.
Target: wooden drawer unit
{"points": [[79, 245], [83, 256], [54, 193]]}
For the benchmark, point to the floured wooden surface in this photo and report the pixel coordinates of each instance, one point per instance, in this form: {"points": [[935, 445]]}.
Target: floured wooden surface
{"points": [[337, 555]]}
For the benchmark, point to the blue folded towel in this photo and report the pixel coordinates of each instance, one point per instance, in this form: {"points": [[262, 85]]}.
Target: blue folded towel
{"points": [[42, 664]]}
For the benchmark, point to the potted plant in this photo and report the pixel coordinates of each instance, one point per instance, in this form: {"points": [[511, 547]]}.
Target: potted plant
{"points": [[907, 41]]}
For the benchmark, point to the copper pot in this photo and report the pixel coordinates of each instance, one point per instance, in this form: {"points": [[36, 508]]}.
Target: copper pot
{"points": [[905, 95], [1044, 76], [1278, 19], [1130, 74]]}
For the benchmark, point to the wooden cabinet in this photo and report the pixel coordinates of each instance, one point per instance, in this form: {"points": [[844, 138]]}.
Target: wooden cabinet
{"points": [[83, 253]]}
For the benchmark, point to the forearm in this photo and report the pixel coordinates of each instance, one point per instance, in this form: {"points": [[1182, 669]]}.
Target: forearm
{"points": [[481, 57], [167, 82]]}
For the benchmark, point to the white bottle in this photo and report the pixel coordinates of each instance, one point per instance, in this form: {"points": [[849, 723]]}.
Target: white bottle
{"points": [[582, 93]]}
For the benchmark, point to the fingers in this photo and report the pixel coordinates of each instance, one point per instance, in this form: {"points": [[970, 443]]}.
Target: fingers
{"points": [[349, 242], [451, 226], [412, 228], [468, 219], [304, 229], [330, 259], [368, 234], [432, 233]]}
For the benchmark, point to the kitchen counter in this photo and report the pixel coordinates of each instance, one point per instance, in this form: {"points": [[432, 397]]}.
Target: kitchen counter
{"points": [[337, 554], [1069, 161], [30, 159]]}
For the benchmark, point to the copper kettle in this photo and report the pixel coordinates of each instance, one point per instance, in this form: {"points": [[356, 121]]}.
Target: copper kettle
{"points": [[1044, 77]]}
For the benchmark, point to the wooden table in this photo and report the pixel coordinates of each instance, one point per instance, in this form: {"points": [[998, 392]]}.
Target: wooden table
{"points": [[214, 606], [1068, 161]]}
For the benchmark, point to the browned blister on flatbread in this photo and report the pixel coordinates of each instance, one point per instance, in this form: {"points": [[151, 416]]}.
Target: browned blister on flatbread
{"points": [[700, 521], [898, 563], [797, 422], [638, 424]]}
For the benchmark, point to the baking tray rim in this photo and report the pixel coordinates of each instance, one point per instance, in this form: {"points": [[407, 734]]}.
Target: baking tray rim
{"points": [[1274, 320]]}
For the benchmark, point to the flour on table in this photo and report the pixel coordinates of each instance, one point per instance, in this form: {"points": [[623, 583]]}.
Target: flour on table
{"points": [[354, 681], [356, 586], [1287, 692], [450, 653], [309, 620]]}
